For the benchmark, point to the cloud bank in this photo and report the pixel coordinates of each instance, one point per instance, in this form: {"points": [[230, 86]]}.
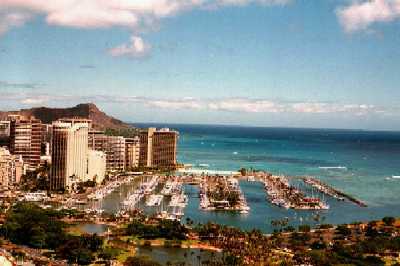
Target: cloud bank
{"points": [[233, 105], [136, 15], [360, 15]]}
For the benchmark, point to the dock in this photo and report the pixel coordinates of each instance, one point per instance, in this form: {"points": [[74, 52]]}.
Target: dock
{"points": [[222, 193]]}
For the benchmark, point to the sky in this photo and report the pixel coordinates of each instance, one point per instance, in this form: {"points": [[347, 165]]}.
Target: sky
{"points": [[286, 63]]}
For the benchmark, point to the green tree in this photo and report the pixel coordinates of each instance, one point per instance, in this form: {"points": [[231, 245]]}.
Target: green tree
{"points": [[389, 221], [28, 224]]}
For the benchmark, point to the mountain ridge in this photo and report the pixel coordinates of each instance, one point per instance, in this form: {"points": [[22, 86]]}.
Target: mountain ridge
{"points": [[47, 115]]}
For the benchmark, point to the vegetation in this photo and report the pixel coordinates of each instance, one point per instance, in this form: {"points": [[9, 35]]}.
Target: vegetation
{"points": [[80, 249], [356, 244], [36, 180], [164, 229], [389, 221], [220, 193], [82, 186], [28, 224]]}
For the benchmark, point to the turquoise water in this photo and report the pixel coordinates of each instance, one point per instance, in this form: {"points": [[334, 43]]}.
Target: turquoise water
{"points": [[370, 158]]}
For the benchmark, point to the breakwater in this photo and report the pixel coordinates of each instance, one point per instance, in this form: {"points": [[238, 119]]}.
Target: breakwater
{"points": [[331, 191]]}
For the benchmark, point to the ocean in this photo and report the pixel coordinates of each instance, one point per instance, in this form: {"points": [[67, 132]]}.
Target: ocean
{"points": [[360, 163]]}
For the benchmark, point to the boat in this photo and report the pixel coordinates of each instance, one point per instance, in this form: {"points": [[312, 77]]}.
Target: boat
{"points": [[333, 167], [396, 176]]}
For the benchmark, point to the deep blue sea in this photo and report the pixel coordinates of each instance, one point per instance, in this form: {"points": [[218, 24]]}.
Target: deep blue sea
{"points": [[371, 159]]}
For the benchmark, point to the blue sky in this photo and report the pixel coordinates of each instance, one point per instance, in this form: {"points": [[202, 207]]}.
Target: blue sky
{"points": [[288, 63]]}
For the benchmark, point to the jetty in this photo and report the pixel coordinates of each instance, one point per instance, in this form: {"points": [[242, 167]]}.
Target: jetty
{"points": [[331, 191]]}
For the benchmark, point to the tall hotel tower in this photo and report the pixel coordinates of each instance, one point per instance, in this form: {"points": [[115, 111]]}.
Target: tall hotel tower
{"points": [[158, 148], [69, 153]]}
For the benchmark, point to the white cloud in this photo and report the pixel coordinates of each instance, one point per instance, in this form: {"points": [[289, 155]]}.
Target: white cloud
{"points": [[136, 15], [137, 48], [34, 101], [360, 15], [174, 104], [246, 105]]}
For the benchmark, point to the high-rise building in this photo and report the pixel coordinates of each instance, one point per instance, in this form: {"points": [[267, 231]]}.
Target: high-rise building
{"points": [[158, 148], [112, 146], [146, 147], [132, 152], [25, 139], [69, 153], [11, 168], [4, 133], [96, 166]]}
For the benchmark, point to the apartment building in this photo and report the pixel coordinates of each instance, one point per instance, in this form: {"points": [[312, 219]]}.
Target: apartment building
{"points": [[112, 146]]}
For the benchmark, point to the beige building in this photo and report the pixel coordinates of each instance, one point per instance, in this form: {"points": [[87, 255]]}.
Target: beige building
{"points": [[112, 146], [25, 139], [11, 168], [158, 148], [69, 153], [132, 152], [96, 166]]}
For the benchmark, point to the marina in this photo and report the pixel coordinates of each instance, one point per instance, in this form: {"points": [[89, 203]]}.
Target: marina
{"points": [[183, 195], [146, 187], [282, 194]]}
